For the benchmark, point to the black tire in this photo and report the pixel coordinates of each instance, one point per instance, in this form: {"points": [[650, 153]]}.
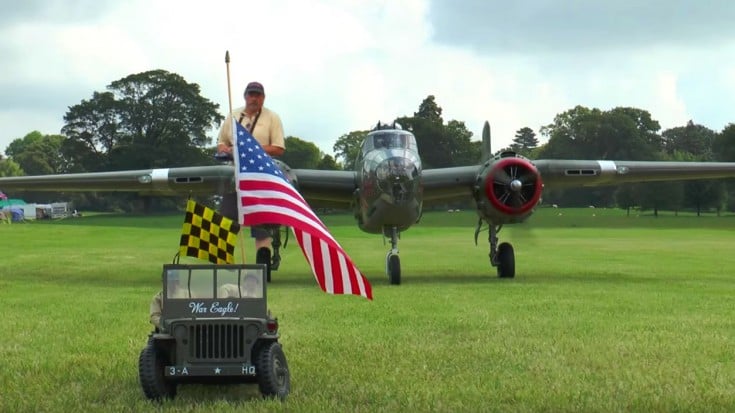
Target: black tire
{"points": [[152, 380], [506, 261], [394, 269], [274, 378], [263, 256]]}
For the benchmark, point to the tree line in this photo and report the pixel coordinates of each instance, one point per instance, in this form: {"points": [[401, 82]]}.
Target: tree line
{"points": [[158, 119]]}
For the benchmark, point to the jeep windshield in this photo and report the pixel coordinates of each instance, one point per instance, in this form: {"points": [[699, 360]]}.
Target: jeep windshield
{"points": [[213, 282]]}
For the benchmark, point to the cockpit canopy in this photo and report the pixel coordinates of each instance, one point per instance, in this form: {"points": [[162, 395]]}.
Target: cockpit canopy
{"points": [[389, 139]]}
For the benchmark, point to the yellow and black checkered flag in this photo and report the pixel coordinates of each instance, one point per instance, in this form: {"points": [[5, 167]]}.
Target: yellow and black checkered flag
{"points": [[208, 235]]}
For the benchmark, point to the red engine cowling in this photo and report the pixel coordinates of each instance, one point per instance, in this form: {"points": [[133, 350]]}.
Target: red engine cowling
{"points": [[509, 187]]}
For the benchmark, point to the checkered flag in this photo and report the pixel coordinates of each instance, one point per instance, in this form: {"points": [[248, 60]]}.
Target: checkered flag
{"points": [[208, 235]]}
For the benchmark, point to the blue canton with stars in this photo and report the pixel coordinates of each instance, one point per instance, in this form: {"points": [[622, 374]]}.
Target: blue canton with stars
{"points": [[252, 156]]}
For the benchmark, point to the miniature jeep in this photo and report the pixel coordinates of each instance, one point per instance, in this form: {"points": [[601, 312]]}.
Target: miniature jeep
{"points": [[215, 328]]}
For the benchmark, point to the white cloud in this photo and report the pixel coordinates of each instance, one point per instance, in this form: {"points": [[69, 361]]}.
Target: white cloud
{"points": [[331, 67]]}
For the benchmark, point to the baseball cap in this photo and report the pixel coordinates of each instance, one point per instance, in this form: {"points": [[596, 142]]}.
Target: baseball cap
{"points": [[256, 87]]}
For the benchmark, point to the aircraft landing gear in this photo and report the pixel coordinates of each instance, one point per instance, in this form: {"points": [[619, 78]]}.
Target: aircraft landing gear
{"points": [[501, 256], [392, 261]]}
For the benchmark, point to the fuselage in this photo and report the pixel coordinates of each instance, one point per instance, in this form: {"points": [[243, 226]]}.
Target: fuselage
{"points": [[388, 175]]}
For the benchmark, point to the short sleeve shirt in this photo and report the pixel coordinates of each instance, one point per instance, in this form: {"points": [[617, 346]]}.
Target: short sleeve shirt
{"points": [[268, 129]]}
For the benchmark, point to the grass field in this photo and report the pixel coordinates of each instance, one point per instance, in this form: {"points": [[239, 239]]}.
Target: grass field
{"points": [[606, 313]]}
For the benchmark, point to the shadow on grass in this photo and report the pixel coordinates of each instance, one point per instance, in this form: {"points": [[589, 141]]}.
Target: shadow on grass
{"points": [[203, 393]]}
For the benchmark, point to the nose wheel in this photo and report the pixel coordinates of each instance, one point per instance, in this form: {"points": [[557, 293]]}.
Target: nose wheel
{"points": [[392, 260]]}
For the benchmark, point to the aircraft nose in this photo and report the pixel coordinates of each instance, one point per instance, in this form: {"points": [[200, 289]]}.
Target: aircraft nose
{"points": [[396, 169]]}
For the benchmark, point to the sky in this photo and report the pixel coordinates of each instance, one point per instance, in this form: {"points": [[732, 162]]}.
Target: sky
{"points": [[330, 67]]}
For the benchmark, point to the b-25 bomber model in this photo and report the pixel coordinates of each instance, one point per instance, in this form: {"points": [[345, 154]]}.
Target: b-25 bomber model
{"points": [[389, 188]]}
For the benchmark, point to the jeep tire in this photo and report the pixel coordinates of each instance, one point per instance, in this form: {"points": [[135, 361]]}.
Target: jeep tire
{"points": [[274, 378], [150, 370]]}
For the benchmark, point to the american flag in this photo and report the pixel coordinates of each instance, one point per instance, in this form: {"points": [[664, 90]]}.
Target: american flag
{"points": [[266, 197]]}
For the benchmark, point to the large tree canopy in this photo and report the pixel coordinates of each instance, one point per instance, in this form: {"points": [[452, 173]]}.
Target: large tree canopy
{"points": [[301, 154], [620, 133], [348, 147], [38, 154], [440, 145], [145, 120]]}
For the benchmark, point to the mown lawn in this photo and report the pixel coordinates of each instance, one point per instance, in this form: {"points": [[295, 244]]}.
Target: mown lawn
{"points": [[606, 313]]}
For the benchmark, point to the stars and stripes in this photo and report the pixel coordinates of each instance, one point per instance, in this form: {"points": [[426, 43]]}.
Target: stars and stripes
{"points": [[266, 197]]}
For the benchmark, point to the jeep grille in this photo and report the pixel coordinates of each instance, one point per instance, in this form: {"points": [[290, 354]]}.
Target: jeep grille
{"points": [[217, 341]]}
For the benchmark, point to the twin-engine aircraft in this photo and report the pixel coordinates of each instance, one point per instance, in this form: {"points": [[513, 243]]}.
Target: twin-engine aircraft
{"points": [[388, 188]]}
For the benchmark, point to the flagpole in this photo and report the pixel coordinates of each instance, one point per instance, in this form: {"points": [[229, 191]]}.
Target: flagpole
{"points": [[229, 106], [229, 89]]}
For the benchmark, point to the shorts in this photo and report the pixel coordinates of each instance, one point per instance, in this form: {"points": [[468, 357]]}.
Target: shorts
{"points": [[229, 210]]}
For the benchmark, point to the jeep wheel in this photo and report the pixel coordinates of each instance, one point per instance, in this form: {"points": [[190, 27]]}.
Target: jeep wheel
{"points": [[150, 370], [274, 379]]}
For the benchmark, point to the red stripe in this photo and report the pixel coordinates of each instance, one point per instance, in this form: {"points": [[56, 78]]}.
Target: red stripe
{"points": [[319, 279], [302, 209], [353, 278], [317, 264], [258, 218], [261, 185], [336, 271], [317, 230]]}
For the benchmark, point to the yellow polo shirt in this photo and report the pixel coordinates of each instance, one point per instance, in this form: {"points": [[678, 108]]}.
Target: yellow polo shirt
{"points": [[268, 129]]}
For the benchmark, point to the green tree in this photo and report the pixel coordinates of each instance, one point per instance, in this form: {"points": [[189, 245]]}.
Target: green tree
{"points": [[440, 145], [524, 142], [348, 147], [695, 143], [462, 149], [724, 144], [328, 163], [301, 154], [8, 167], [145, 120], [621, 133], [723, 149], [38, 154], [427, 126], [626, 197], [695, 139]]}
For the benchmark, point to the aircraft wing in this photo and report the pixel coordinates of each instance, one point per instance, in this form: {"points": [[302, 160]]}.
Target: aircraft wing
{"points": [[325, 189], [163, 181], [321, 189], [459, 182], [337, 188], [575, 173]]}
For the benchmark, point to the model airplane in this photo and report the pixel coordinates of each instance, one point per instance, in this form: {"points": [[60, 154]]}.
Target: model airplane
{"points": [[389, 188]]}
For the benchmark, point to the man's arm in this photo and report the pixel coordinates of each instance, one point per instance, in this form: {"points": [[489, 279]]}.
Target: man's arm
{"points": [[272, 150], [156, 307], [277, 142], [224, 139]]}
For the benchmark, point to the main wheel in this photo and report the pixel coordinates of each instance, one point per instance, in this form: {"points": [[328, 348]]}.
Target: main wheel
{"points": [[263, 256], [152, 380], [274, 378], [394, 269], [506, 261]]}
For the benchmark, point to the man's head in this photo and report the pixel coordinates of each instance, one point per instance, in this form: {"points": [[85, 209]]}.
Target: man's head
{"points": [[251, 285], [254, 97]]}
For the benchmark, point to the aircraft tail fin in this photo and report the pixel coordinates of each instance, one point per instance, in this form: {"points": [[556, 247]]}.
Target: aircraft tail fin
{"points": [[487, 150]]}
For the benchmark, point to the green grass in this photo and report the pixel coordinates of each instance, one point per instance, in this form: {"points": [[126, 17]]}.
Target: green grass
{"points": [[606, 313]]}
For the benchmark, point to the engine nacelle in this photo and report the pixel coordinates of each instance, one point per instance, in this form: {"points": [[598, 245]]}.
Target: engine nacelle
{"points": [[508, 188]]}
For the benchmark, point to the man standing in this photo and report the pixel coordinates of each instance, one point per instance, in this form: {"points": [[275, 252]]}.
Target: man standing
{"points": [[266, 127]]}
